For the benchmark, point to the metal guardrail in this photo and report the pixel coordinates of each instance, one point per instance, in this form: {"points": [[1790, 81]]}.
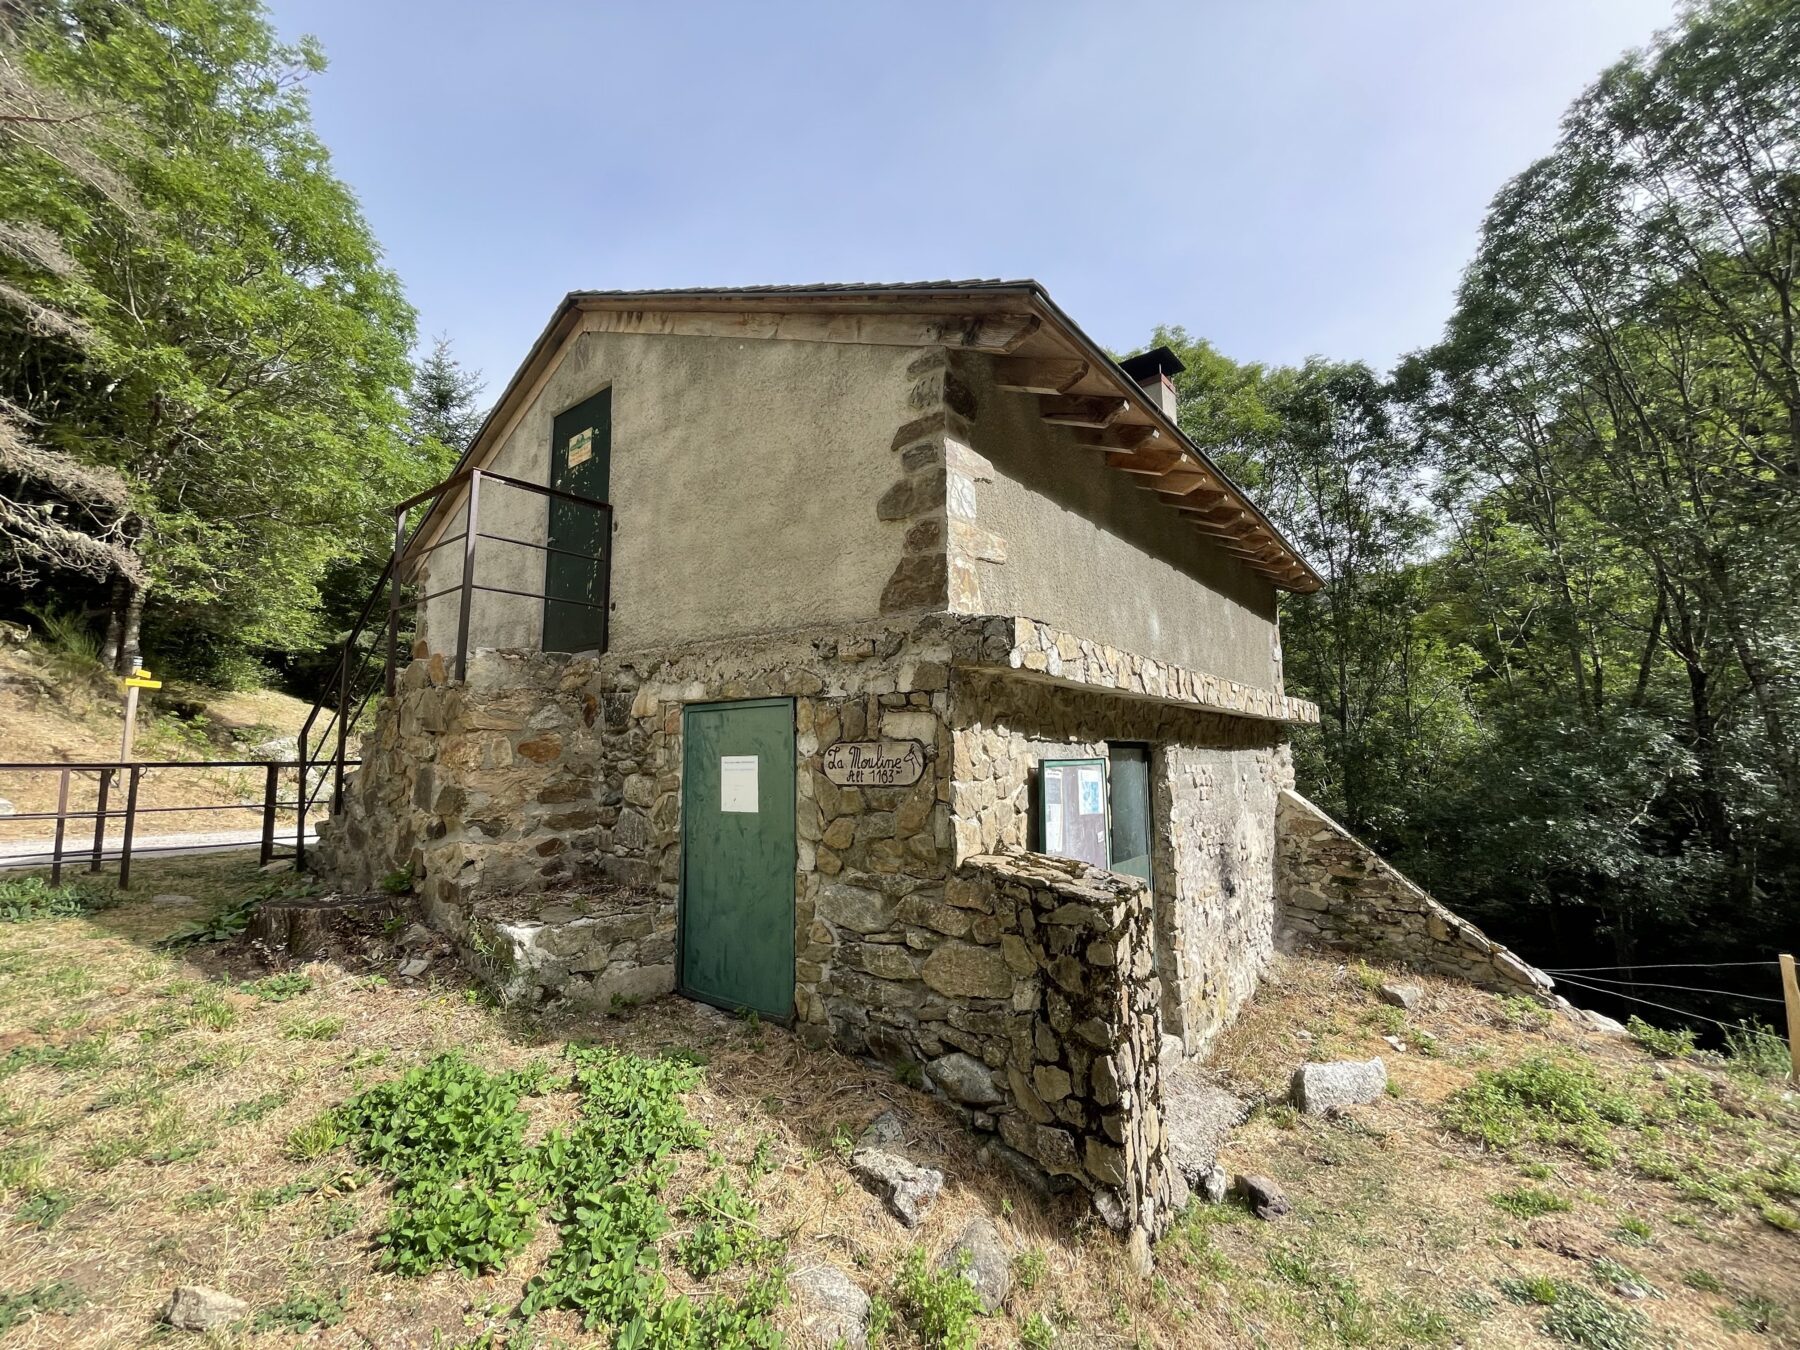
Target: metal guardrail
{"points": [[63, 851]]}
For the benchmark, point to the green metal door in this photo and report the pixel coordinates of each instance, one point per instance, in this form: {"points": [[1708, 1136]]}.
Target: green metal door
{"points": [[737, 855], [580, 462]]}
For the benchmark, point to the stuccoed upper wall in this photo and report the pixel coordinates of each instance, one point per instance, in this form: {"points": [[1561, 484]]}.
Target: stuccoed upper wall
{"points": [[1079, 545], [745, 475]]}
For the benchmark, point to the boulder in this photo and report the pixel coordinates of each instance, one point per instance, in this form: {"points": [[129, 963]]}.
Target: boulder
{"points": [[1407, 996], [980, 1253], [832, 1309], [1215, 1185], [906, 1188], [194, 1307], [1265, 1199], [1319, 1087], [883, 1132], [965, 1078], [1197, 1115]]}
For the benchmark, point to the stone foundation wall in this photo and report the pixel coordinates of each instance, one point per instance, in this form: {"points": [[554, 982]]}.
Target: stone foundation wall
{"points": [[1336, 891], [547, 772], [488, 785], [1214, 782]]}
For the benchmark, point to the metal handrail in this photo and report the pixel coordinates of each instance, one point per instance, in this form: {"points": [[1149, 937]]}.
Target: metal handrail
{"points": [[349, 698]]}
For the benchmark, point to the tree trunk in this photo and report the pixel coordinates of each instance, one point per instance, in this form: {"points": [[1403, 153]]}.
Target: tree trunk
{"points": [[115, 624], [131, 624]]}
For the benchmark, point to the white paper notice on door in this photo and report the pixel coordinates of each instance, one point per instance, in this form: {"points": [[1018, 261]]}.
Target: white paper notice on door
{"points": [[1092, 790], [737, 783]]}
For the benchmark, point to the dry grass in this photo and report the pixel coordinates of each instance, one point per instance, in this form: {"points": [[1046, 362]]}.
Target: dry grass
{"points": [[162, 1122], [53, 712]]}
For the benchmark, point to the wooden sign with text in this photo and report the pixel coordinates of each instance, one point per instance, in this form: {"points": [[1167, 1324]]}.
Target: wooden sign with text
{"points": [[875, 763]]}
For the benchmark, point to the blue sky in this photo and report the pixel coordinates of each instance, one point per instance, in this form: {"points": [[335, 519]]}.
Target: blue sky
{"points": [[1282, 176]]}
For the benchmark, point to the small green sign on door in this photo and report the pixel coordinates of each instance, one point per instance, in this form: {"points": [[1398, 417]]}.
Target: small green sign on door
{"points": [[737, 855]]}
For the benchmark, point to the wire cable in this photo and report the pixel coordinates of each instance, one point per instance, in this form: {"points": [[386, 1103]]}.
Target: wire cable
{"points": [[1667, 965], [1684, 988], [1652, 1003]]}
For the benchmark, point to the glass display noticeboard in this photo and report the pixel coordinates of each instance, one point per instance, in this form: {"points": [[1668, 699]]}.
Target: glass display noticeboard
{"points": [[1072, 820]]}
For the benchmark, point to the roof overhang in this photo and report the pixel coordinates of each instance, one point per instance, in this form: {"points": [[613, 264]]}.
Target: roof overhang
{"points": [[1042, 353]]}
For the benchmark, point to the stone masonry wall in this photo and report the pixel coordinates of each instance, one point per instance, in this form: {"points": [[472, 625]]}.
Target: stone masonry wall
{"points": [[546, 772], [1336, 891], [488, 785], [1049, 1011], [1214, 781]]}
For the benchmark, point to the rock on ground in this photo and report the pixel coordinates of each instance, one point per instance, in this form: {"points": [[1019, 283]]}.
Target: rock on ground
{"points": [[1198, 1115], [882, 1132], [965, 1078], [1214, 1185], [1407, 996], [194, 1307], [906, 1188], [989, 1267], [1265, 1198], [1319, 1087], [833, 1310]]}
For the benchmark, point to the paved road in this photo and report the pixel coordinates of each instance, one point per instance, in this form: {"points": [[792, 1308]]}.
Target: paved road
{"points": [[36, 852]]}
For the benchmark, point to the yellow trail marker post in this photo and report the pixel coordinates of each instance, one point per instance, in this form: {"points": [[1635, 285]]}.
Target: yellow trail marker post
{"points": [[138, 679]]}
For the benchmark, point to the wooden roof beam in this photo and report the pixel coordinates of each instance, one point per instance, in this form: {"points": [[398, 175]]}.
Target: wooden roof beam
{"points": [[1093, 411], [1033, 375], [1120, 438]]}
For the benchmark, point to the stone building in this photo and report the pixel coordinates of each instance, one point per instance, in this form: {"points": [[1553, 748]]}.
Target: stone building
{"points": [[921, 686]]}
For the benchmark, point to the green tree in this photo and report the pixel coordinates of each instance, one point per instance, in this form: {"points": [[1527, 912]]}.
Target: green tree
{"points": [[1614, 413], [443, 409], [248, 367]]}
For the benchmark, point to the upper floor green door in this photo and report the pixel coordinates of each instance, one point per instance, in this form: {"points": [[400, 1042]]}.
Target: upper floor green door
{"points": [[737, 855], [580, 462]]}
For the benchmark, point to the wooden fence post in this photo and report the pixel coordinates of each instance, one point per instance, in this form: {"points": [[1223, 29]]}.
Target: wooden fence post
{"points": [[1791, 992]]}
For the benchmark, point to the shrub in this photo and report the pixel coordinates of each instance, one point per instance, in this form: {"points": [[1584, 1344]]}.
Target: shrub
{"points": [[1540, 1100], [1578, 1317], [1662, 1044], [1758, 1049], [301, 1312], [278, 988], [940, 1306], [23, 899]]}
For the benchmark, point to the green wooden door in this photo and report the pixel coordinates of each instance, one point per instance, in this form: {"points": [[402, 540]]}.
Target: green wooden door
{"points": [[581, 462], [737, 855]]}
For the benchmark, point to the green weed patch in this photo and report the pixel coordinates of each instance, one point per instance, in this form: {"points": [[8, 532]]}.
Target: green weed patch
{"points": [[24, 899], [468, 1193], [1542, 1101]]}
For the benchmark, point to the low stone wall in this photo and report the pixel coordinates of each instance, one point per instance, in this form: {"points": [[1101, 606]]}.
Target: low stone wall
{"points": [[1049, 1012], [485, 786], [1336, 891]]}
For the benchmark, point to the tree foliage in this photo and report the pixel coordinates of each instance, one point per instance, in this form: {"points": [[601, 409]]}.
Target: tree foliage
{"points": [[247, 365], [1558, 649]]}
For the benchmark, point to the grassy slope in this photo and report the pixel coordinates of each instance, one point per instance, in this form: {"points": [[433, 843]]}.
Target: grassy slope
{"points": [[57, 708], [158, 1101]]}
